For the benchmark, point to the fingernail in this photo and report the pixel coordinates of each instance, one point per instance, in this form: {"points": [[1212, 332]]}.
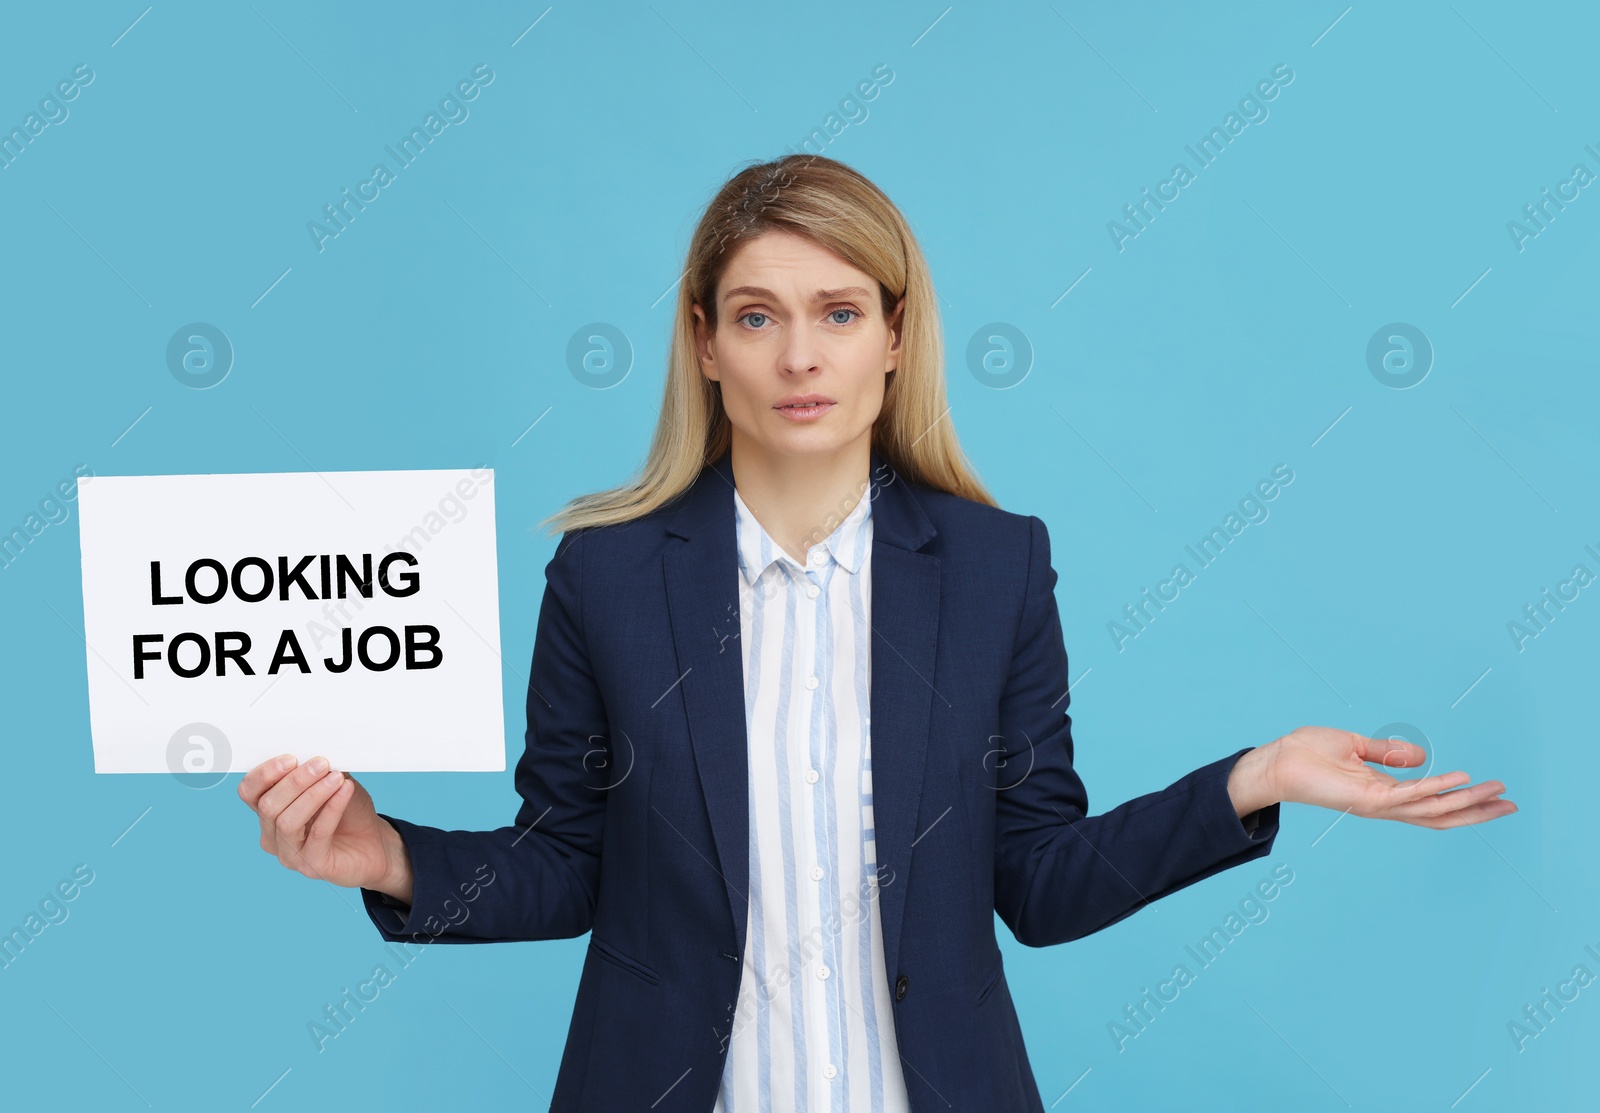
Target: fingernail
{"points": [[317, 766], [285, 761], [334, 777]]}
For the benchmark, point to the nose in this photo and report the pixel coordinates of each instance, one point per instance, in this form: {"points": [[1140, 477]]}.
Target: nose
{"points": [[799, 354]]}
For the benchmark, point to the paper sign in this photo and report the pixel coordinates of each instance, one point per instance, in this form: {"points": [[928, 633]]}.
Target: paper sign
{"points": [[231, 618]]}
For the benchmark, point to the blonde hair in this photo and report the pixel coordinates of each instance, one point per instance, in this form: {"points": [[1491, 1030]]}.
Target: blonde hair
{"points": [[839, 209]]}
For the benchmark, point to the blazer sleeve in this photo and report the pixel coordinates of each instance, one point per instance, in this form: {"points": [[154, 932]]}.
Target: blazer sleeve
{"points": [[1059, 873], [538, 878]]}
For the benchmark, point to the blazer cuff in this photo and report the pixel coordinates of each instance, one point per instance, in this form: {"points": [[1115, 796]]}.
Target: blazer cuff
{"points": [[1252, 834], [395, 920]]}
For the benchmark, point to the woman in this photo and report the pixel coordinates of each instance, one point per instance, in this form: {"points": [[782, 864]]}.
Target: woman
{"points": [[797, 720]]}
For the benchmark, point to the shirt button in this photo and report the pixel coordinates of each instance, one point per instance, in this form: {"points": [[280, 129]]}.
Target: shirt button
{"points": [[816, 873], [823, 972], [811, 776], [811, 682], [812, 591], [830, 1070], [818, 558]]}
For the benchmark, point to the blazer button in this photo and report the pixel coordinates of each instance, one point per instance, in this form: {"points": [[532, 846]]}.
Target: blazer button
{"points": [[902, 983]]}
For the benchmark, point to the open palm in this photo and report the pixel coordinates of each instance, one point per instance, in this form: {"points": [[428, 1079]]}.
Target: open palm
{"points": [[1329, 768]]}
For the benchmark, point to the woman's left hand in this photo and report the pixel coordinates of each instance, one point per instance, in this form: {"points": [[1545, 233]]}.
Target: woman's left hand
{"points": [[1328, 768]]}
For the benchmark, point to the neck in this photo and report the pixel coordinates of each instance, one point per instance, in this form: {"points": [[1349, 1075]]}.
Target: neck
{"points": [[800, 500]]}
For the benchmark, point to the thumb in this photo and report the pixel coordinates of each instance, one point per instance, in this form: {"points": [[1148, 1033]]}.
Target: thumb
{"points": [[1391, 753]]}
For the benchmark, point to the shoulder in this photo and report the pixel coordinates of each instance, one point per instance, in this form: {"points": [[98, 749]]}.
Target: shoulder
{"points": [[976, 530], [994, 560], [611, 546]]}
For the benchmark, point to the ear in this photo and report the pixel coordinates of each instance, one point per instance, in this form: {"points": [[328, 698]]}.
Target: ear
{"points": [[896, 324], [703, 344]]}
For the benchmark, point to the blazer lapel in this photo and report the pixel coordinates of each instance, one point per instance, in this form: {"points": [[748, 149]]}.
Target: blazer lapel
{"points": [[702, 580], [905, 635], [702, 577]]}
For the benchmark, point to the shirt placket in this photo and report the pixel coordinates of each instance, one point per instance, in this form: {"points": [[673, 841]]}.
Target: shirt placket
{"points": [[815, 770]]}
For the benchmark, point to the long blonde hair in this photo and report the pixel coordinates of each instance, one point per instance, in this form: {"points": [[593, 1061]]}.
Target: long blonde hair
{"points": [[839, 209]]}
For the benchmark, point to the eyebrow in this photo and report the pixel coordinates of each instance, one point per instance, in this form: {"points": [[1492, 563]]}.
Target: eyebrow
{"points": [[820, 295]]}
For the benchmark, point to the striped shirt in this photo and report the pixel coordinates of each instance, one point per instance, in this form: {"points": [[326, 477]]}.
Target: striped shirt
{"points": [[814, 1026]]}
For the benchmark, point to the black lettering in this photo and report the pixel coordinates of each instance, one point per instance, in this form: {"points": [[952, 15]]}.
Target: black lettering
{"points": [[205, 650], [140, 655], [295, 575], [347, 571], [409, 580], [222, 580], [366, 640], [416, 646], [156, 597], [238, 580], [288, 653], [235, 653], [343, 665]]}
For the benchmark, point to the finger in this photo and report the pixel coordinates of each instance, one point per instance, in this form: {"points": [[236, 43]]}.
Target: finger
{"points": [[283, 793], [1391, 753], [293, 820], [1436, 807], [263, 777], [266, 776], [291, 785], [1407, 791], [1477, 813], [319, 839]]}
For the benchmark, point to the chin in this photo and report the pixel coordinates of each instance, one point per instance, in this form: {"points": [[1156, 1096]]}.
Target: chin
{"points": [[810, 442]]}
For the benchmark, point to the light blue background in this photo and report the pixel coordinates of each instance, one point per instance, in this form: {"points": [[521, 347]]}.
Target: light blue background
{"points": [[1224, 340]]}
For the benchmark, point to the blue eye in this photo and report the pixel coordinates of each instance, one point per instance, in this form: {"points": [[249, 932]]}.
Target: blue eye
{"points": [[751, 314], [856, 312]]}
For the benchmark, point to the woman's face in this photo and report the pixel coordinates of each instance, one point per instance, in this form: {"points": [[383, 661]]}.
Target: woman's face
{"points": [[795, 321]]}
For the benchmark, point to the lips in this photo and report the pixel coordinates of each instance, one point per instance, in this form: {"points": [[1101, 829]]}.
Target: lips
{"points": [[803, 401]]}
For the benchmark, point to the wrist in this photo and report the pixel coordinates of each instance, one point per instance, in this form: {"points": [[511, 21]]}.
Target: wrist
{"points": [[1250, 783], [397, 880]]}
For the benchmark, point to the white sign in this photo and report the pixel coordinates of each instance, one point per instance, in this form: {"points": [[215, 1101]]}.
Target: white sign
{"points": [[231, 618]]}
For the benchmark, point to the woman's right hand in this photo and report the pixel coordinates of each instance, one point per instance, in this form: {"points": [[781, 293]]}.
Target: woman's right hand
{"points": [[322, 823]]}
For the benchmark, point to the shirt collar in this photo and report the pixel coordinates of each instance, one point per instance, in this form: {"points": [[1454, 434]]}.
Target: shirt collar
{"points": [[847, 544]]}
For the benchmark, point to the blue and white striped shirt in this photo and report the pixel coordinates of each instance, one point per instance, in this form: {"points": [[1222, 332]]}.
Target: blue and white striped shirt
{"points": [[814, 1025]]}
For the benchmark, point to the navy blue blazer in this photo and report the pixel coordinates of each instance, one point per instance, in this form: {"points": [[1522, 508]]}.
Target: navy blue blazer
{"points": [[633, 822]]}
